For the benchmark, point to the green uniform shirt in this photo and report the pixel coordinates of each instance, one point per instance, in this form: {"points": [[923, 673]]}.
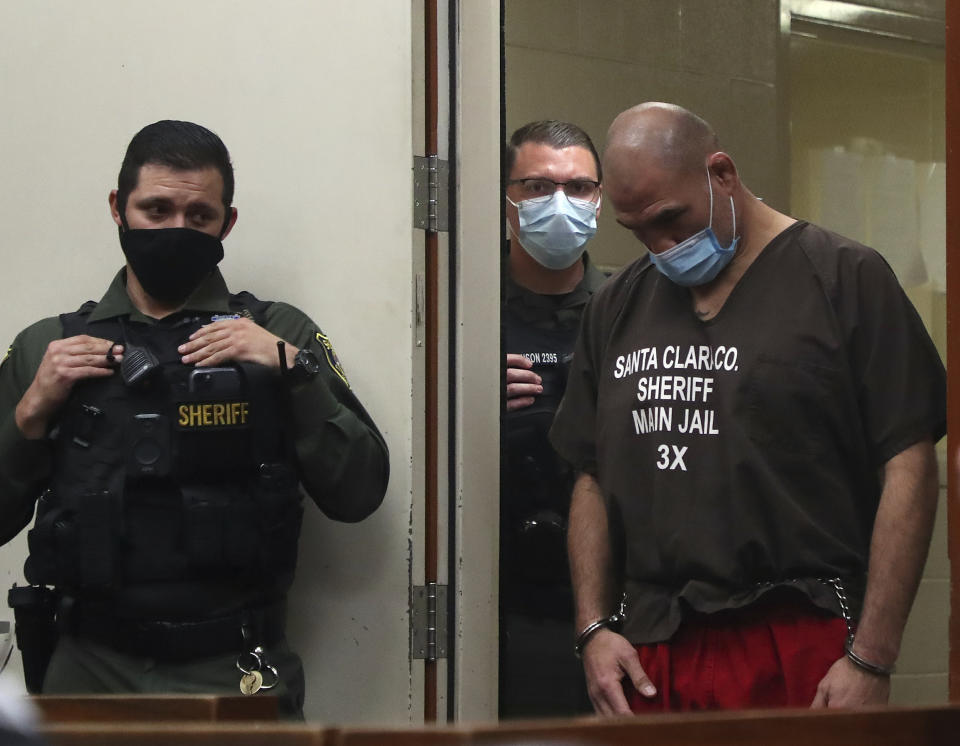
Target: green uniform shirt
{"points": [[342, 457]]}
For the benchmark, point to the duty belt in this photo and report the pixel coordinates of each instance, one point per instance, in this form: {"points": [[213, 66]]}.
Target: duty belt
{"points": [[179, 641]]}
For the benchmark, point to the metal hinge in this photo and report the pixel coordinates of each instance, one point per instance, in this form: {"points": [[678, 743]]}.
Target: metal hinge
{"points": [[428, 622], [431, 177]]}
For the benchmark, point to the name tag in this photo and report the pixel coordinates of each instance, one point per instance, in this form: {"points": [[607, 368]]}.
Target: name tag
{"points": [[213, 414]]}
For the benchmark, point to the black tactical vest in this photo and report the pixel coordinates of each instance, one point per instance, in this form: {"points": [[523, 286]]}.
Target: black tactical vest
{"points": [[536, 482], [183, 475]]}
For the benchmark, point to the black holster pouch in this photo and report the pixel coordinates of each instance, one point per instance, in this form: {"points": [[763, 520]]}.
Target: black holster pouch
{"points": [[35, 613]]}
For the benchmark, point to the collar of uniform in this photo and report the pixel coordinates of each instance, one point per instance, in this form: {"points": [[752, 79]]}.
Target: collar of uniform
{"points": [[211, 295], [593, 278], [591, 281]]}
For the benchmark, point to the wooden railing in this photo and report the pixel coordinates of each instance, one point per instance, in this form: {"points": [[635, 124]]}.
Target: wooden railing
{"points": [[172, 708], [210, 721]]}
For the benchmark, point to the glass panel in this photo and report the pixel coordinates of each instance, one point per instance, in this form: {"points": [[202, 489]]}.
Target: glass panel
{"points": [[867, 160]]}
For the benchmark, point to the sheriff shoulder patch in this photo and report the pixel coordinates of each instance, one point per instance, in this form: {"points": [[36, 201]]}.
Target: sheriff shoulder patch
{"points": [[6, 355], [332, 360]]}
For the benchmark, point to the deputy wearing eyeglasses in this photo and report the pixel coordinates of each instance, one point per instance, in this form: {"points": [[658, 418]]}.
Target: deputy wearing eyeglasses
{"points": [[553, 198]]}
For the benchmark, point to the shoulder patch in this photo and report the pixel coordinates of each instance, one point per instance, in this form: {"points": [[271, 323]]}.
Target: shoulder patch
{"points": [[6, 355], [332, 360]]}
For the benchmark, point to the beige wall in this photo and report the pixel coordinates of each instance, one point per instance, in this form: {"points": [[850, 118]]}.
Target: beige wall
{"points": [[585, 61]]}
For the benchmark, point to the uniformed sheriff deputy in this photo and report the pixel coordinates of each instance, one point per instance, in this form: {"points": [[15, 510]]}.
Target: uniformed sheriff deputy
{"points": [[162, 434], [553, 198]]}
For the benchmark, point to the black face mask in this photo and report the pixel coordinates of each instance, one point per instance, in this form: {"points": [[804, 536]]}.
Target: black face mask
{"points": [[170, 262]]}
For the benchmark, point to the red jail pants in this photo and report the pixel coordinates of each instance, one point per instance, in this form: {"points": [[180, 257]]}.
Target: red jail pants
{"points": [[772, 653]]}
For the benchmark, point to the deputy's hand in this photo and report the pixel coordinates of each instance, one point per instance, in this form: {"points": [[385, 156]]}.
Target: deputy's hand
{"points": [[65, 362], [523, 384], [234, 340], [845, 685], [607, 659]]}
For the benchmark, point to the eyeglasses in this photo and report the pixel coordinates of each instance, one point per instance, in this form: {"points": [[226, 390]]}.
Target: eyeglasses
{"points": [[578, 188]]}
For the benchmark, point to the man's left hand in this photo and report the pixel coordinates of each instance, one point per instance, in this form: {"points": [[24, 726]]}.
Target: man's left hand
{"points": [[845, 685], [234, 340]]}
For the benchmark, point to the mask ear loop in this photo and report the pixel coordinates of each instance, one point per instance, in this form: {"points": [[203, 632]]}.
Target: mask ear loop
{"points": [[733, 211], [710, 189], [510, 231]]}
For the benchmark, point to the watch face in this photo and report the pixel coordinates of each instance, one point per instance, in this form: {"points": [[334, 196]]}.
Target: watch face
{"points": [[308, 361]]}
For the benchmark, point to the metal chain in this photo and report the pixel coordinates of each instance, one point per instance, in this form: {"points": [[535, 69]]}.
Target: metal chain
{"points": [[844, 605], [841, 594], [836, 583], [621, 613]]}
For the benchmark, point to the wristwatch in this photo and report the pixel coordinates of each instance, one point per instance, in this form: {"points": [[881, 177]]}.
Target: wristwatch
{"points": [[305, 367]]}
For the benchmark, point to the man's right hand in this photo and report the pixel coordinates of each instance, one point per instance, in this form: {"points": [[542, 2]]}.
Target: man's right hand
{"points": [[523, 384], [607, 659], [65, 362]]}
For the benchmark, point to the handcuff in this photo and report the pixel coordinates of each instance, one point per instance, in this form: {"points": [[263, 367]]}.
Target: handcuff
{"points": [[863, 664], [612, 622], [616, 619]]}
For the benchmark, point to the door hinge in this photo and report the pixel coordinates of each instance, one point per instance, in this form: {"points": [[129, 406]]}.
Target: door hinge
{"points": [[428, 622], [431, 178]]}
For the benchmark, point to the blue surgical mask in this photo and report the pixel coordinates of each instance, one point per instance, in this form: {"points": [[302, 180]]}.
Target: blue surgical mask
{"points": [[554, 229], [700, 258]]}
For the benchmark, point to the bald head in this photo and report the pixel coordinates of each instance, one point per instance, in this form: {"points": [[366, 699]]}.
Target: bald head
{"points": [[670, 136], [663, 172]]}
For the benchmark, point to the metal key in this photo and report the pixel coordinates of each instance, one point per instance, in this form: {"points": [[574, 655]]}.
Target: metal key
{"points": [[251, 683], [252, 680]]}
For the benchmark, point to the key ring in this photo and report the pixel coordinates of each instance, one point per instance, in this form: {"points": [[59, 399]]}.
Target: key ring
{"points": [[260, 667], [257, 662], [276, 677]]}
